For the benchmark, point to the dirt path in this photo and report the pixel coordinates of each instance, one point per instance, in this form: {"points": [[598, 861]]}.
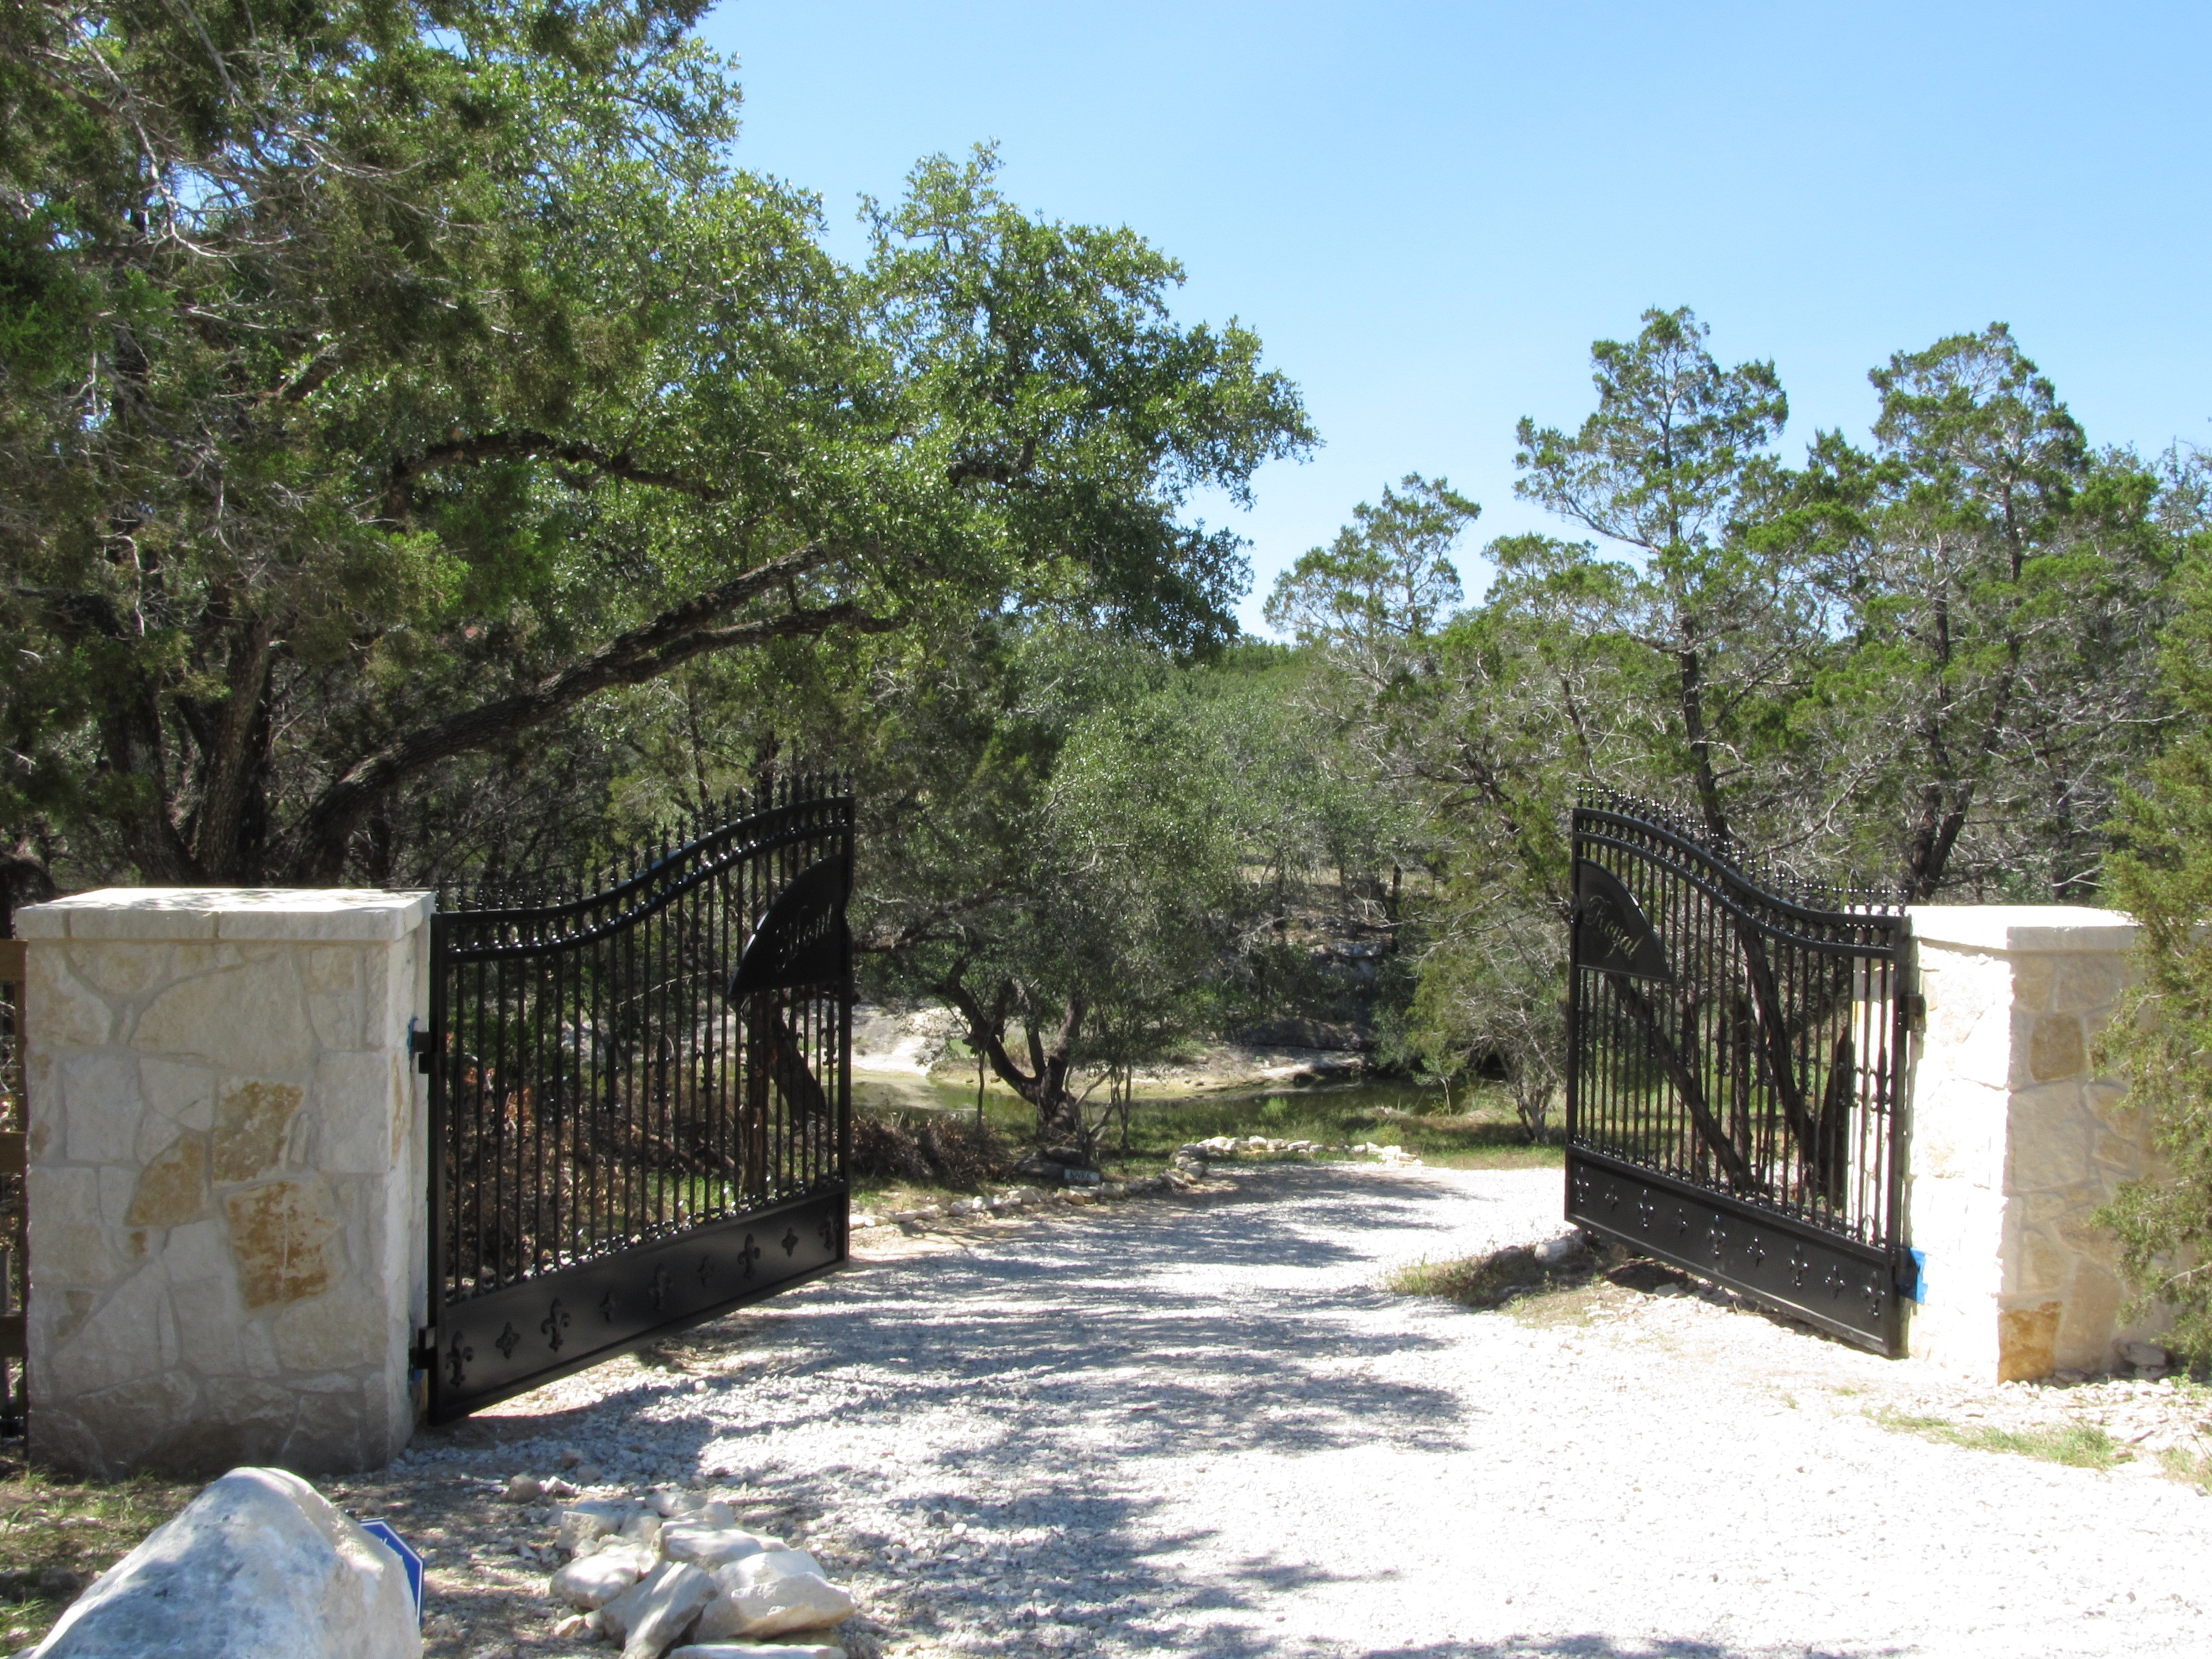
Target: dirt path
{"points": [[1197, 1426]]}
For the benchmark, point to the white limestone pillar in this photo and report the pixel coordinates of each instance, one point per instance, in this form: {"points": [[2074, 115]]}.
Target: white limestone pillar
{"points": [[2016, 1140], [227, 1168]]}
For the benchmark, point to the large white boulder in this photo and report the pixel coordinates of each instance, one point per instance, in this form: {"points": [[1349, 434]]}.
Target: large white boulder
{"points": [[771, 1594], [259, 1564]]}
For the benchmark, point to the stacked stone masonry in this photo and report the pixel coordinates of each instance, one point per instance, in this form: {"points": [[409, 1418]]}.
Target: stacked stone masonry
{"points": [[226, 1180], [2017, 1139]]}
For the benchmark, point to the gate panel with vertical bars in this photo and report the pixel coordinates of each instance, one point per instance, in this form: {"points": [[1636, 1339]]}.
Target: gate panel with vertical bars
{"points": [[1735, 1072], [641, 1096]]}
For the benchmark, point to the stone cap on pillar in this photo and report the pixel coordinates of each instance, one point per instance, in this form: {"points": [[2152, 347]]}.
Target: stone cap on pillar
{"points": [[2039, 927], [359, 914]]}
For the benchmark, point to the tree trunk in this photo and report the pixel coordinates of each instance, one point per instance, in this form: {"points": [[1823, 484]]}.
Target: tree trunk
{"points": [[1691, 670], [227, 826], [1045, 1084]]}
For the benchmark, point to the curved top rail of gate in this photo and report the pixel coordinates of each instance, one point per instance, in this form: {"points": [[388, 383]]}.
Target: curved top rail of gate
{"points": [[498, 921], [1734, 1034], [1767, 897]]}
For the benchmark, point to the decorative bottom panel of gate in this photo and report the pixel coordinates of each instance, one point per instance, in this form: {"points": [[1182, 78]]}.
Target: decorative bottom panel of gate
{"points": [[1851, 1289], [501, 1343]]}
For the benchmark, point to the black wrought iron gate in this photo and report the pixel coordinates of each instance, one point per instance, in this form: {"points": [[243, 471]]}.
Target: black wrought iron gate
{"points": [[640, 1096], [1736, 1059]]}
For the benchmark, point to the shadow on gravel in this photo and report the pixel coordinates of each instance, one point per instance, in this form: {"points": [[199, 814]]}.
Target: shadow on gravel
{"points": [[1015, 1368]]}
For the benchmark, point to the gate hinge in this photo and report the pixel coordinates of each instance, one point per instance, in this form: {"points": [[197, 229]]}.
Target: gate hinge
{"points": [[418, 1044], [424, 1354], [1916, 1012]]}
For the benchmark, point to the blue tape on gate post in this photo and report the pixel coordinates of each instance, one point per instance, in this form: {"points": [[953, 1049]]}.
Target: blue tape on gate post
{"points": [[381, 1531], [1919, 1275]]}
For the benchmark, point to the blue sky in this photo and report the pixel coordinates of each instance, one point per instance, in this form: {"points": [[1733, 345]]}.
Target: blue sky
{"points": [[1429, 211]]}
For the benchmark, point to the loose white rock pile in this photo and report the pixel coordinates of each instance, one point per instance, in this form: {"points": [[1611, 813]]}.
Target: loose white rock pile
{"points": [[676, 1572], [1393, 1156], [1230, 1146]]}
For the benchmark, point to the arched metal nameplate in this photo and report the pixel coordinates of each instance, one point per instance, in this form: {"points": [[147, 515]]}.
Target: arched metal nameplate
{"points": [[801, 939], [1612, 933]]}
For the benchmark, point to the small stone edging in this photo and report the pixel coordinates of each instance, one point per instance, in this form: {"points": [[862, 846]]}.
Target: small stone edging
{"points": [[1192, 1164]]}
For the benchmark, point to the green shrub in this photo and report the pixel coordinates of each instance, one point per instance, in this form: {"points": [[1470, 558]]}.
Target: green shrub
{"points": [[2162, 1035]]}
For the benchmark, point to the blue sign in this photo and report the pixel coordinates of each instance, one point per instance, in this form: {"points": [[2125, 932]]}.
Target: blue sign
{"points": [[381, 1531]]}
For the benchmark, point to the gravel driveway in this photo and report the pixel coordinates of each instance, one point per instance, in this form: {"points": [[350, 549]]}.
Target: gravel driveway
{"points": [[1197, 1426]]}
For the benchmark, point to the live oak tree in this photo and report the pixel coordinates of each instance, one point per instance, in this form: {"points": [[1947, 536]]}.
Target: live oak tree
{"points": [[1524, 711], [1057, 823], [1447, 716], [1127, 899], [384, 384]]}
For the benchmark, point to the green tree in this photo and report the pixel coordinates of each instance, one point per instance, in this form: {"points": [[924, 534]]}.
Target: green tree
{"points": [[1522, 711], [2001, 586], [386, 384], [1450, 724], [1673, 467], [1387, 581], [1056, 850]]}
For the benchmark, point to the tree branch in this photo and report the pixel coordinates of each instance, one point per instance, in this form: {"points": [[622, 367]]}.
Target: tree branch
{"points": [[529, 446], [677, 635]]}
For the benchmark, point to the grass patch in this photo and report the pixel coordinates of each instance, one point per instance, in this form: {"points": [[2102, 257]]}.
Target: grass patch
{"points": [[1573, 1293], [2192, 1468], [56, 1536], [1477, 1281], [1490, 1281], [2077, 1445], [1560, 1302]]}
